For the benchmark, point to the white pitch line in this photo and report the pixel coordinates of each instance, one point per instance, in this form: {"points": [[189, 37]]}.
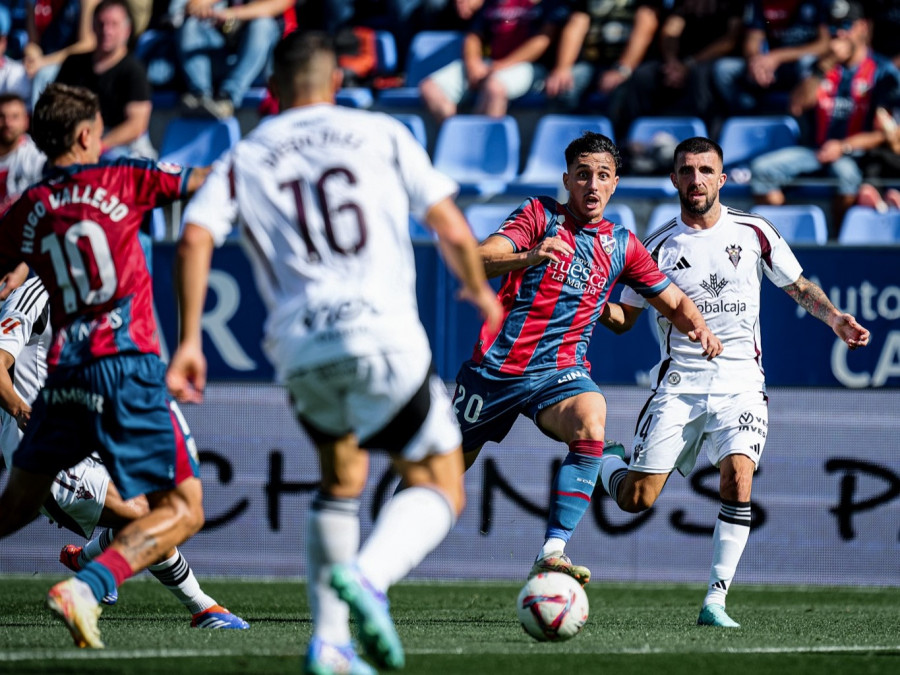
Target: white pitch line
{"points": [[109, 654]]}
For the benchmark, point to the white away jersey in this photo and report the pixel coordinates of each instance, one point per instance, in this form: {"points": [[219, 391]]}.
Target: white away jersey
{"points": [[721, 270], [25, 333], [322, 195]]}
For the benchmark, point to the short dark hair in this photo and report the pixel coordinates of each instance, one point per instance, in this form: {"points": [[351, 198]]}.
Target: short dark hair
{"points": [[591, 142], [695, 146], [10, 96], [296, 53], [57, 114]]}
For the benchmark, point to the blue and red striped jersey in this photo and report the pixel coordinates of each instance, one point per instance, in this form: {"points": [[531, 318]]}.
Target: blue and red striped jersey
{"points": [[78, 231], [552, 308]]}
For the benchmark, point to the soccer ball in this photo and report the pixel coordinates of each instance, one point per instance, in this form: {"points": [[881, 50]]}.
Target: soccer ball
{"points": [[552, 607]]}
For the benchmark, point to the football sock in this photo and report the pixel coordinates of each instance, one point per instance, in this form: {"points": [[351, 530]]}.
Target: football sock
{"points": [[408, 528], [729, 539], [612, 473], [105, 574], [573, 486], [95, 547], [332, 536], [176, 575], [552, 545]]}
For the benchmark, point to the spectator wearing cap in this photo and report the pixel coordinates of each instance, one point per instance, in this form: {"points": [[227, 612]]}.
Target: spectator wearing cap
{"points": [[783, 39], [841, 96], [13, 78]]}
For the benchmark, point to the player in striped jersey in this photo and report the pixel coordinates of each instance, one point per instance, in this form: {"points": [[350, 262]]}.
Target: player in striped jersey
{"points": [[719, 256], [559, 263], [83, 496], [322, 195], [105, 390]]}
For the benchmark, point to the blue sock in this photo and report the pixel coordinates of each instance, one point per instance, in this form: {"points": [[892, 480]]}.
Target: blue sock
{"points": [[99, 578], [573, 486]]}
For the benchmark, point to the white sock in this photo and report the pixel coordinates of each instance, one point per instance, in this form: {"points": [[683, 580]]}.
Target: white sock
{"points": [[332, 536], [409, 527], [176, 575], [729, 539], [95, 547], [609, 466], [552, 545]]}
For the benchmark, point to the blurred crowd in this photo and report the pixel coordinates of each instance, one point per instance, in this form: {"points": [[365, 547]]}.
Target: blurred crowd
{"points": [[832, 64]]}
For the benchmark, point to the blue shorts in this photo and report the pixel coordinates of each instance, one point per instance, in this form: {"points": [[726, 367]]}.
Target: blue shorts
{"points": [[487, 403], [118, 406]]}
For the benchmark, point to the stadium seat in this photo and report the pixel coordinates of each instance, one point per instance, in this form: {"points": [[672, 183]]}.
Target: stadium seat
{"points": [[864, 225], [660, 215], [385, 53], [155, 48], [546, 160], [798, 224], [415, 124], [428, 51], [198, 141], [744, 138], [484, 219], [621, 214], [644, 129], [355, 97], [481, 153]]}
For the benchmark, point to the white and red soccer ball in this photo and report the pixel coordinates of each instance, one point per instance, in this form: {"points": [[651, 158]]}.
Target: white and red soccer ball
{"points": [[552, 607]]}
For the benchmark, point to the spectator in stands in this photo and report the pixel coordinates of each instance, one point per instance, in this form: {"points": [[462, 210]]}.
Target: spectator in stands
{"points": [[693, 36], [21, 163], [842, 94], [884, 16], [882, 163], [118, 78], [56, 30], [213, 30], [600, 45], [783, 39], [502, 59], [12, 73]]}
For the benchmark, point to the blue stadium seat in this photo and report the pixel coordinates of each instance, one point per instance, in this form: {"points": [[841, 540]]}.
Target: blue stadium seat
{"points": [[546, 161], [744, 138], [660, 215], [621, 214], [481, 153], [864, 225], [798, 224], [355, 97], [484, 219], [428, 51], [643, 129], [155, 48], [415, 124], [385, 53], [197, 141]]}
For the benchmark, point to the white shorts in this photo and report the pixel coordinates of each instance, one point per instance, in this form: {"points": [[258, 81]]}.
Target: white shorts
{"points": [[80, 493], [368, 395], [672, 428], [517, 80]]}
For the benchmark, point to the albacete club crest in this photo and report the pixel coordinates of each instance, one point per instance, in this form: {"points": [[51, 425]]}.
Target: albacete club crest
{"points": [[734, 254]]}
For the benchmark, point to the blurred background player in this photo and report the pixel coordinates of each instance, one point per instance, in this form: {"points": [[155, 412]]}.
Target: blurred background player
{"points": [[559, 263], [719, 256], [105, 390], [323, 195], [81, 497]]}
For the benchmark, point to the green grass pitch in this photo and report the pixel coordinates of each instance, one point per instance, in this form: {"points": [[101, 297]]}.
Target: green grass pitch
{"points": [[471, 629]]}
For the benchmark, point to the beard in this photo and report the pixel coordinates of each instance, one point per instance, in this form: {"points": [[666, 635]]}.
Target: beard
{"points": [[696, 208]]}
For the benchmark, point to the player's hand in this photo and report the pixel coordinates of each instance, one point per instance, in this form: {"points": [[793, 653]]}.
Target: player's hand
{"points": [[712, 345], [848, 330], [23, 415], [186, 376], [551, 248], [559, 81]]}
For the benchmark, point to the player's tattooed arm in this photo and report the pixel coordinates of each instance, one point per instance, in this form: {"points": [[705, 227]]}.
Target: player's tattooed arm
{"points": [[813, 299]]}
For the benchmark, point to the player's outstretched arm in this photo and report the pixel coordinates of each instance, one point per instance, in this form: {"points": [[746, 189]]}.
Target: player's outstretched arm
{"points": [[813, 299], [500, 257], [460, 251], [678, 308], [9, 399], [13, 279], [619, 317], [186, 376]]}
